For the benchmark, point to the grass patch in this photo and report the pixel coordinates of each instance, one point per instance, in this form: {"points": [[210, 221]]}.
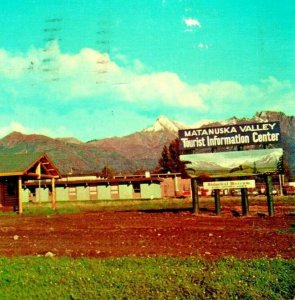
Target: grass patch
{"points": [[10, 213], [146, 278], [288, 199], [68, 207], [287, 230]]}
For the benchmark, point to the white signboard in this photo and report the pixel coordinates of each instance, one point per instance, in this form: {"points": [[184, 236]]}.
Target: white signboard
{"points": [[233, 163], [233, 184]]}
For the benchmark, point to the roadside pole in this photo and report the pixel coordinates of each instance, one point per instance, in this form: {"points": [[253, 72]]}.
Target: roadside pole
{"points": [[281, 184], [53, 194], [217, 202], [270, 204], [245, 202], [20, 196], [195, 195], [244, 194]]}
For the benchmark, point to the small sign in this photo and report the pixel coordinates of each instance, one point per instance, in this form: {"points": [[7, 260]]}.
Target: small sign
{"points": [[232, 184]]}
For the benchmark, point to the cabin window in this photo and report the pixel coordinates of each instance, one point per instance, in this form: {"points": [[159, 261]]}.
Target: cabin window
{"points": [[136, 187], [114, 191], [72, 193], [93, 189], [11, 188], [93, 192]]}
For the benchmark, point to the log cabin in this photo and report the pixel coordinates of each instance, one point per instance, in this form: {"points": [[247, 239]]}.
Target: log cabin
{"points": [[17, 168]]}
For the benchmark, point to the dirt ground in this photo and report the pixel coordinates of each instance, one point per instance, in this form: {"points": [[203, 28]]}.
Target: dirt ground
{"points": [[150, 233]]}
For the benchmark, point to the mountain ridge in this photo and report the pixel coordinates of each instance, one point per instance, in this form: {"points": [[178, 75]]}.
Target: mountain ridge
{"points": [[138, 150]]}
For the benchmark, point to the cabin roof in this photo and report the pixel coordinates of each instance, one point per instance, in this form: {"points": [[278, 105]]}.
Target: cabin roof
{"points": [[101, 181], [27, 164]]}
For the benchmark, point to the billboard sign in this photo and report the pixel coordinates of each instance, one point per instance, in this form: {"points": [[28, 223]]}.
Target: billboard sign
{"points": [[233, 184], [233, 163], [230, 135]]}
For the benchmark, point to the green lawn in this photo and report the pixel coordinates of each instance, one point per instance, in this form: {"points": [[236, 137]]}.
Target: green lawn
{"points": [[146, 278], [66, 207], [142, 278]]}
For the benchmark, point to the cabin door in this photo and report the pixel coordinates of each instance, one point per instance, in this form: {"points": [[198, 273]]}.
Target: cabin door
{"points": [[2, 186]]}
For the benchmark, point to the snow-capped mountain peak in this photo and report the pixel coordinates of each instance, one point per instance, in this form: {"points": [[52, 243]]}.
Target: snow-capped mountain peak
{"points": [[163, 123], [200, 124]]}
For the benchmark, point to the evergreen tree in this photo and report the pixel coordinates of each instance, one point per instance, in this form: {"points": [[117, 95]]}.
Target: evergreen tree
{"points": [[174, 162], [170, 161], [255, 171], [280, 165], [107, 172], [164, 161]]}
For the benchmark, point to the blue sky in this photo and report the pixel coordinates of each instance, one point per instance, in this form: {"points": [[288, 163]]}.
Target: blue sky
{"points": [[93, 69]]}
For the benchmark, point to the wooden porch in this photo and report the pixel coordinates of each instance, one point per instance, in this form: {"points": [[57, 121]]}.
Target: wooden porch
{"points": [[17, 168]]}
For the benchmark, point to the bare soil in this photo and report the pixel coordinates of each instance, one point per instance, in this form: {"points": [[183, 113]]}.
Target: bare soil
{"points": [[151, 233]]}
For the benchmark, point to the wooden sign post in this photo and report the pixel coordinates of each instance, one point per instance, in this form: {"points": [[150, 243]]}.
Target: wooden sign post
{"points": [[217, 202], [53, 194], [20, 196], [245, 202], [195, 195], [269, 187]]}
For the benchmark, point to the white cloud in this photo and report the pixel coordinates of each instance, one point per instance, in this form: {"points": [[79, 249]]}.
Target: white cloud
{"points": [[60, 131], [13, 126], [203, 46], [233, 98], [191, 22], [220, 90], [91, 75], [272, 84], [166, 86], [138, 66], [121, 57], [12, 66], [18, 127]]}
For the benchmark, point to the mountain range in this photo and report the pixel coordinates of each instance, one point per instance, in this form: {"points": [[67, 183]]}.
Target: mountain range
{"points": [[137, 151]]}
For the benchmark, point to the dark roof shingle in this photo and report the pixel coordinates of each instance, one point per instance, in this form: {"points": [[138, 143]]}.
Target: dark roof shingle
{"points": [[18, 163]]}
